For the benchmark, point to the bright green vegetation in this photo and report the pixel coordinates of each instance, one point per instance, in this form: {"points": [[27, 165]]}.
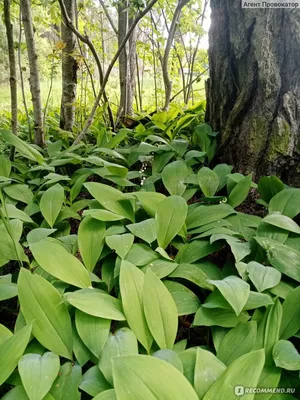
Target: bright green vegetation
{"points": [[132, 269]]}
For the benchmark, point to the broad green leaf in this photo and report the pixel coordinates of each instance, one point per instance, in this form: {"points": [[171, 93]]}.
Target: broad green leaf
{"points": [[237, 342], [7, 290], [55, 259], [218, 317], [282, 257], [93, 331], [174, 176], [162, 267], [81, 352], [19, 192], [67, 383], [141, 254], [5, 166], [287, 202], [263, 277], [286, 356], [145, 230], [186, 301], [5, 333], [208, 368], [192, 273], [245, 371], [203, 215], [110, 198], [35, 235], [42, 304], [91, 234], [188, 359], [270, 378], [240, 192], [120, 243], [235, 291], [102, 215], [160, 310], [150, 201], [222, 170], [281, 221], [97, 303], [194, 251], [107, 395], [208, 181], [26, 150], [170, 216], [269, 186], [132, 288], [94, 382], [171, 357], [11, 350], [139, 377], [290, 314], [51, 203], [38, 373], [122, 342]]}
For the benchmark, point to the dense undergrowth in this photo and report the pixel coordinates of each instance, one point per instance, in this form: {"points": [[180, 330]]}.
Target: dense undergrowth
{"points": [[131, 270]]}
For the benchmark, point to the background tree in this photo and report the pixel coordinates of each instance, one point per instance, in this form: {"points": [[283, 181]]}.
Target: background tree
{"points": [[34, 73], [69, 70], [254, 88]]}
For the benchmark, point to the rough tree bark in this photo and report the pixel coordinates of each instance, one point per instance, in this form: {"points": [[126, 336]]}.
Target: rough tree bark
{"points": [[127, 61], [12, 68], [34, 79], [69, 70], [254, 88]]}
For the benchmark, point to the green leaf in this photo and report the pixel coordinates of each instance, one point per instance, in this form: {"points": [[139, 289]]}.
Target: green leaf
{"points": [[174, 176], [218, 317], [240, 192], [22, 147], [112, 199], [290, 314], [222, 170], [38, 373], [94, 382], [145, 230], [97, 303], [132, 287], [139, 377], [37, 234], [194, 251], [170, 216], [51, 203], [160, 310], [102, 215], [235, 291], [171, 357], [93, 331], [11, 350], [286, 356], [237, 342], [287, 202], [208, 181], [122, 342], [141, 254], [186, 301], [192, 273], [19, 192], [245, 371], [282, 257], [107, 395], [5, 166], [150, 201], [120, 243], [66, 384], [207, 370], [263, 277], [203, 215], [55, 259], [42, 304], [91, 234], [281, 221], [269, 186]]}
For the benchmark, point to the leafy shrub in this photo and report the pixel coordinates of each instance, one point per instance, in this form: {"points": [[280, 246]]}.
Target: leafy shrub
{"points": [[134, 272]]}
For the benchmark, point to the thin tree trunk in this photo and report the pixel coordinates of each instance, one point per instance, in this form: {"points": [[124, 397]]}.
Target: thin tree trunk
{"points": [[69, 71], [254, 88], [165, 66], [12, 71], [34, 80]]}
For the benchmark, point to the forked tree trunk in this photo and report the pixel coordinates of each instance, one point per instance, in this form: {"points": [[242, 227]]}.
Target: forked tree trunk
{"points": [[69, 71], [34, 79], [12, 67], [254, 88]]}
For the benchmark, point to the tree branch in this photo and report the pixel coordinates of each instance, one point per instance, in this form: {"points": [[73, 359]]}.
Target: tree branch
{"points": [[106, 12], [89, 121]]}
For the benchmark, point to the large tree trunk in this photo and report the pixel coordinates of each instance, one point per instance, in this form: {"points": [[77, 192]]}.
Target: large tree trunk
{"points": [[12, 69], [69, 71], [127, 61], [254, 88], [34, 73]]}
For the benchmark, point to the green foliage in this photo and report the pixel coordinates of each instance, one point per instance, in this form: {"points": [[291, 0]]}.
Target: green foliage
{"points": [[116, 256]]}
